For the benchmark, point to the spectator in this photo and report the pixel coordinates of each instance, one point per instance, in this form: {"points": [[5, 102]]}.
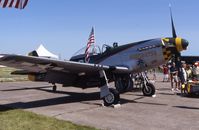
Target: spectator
{"points": [[196, 70], [174, 77], [166, 73], [185, 76], [154, 74], [189, 71]]}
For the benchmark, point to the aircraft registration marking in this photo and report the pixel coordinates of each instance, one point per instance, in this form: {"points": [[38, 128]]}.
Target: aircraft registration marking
{"points": [[148, 47], [142, 55]]}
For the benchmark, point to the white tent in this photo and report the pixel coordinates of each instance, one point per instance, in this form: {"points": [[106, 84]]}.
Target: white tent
{"points": [[1, 66], [43, 52]]}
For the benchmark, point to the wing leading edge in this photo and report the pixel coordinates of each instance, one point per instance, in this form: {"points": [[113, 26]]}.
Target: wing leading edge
{"points": [[41, 65]]}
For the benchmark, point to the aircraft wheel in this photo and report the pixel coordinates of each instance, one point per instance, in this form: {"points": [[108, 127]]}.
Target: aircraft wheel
{"points": [[112, 98], [148, 90], [54, 88]]}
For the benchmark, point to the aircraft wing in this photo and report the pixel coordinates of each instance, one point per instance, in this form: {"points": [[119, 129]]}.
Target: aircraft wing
{"points": [[42, 65]]}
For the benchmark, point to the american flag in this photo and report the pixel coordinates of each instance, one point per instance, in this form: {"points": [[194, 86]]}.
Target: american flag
{"points": [[91, 40], [19, 4]]}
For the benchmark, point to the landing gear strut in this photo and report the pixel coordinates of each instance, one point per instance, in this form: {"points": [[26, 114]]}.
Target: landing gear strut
{"points": [[148, 88], [110, 96], [54, 87]]}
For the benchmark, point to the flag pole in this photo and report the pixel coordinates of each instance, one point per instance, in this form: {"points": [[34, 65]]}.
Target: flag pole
{"points": [[21, 2]]}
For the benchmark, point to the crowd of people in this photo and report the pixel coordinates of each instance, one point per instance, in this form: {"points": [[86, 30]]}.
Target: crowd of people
{"points": [[179, 76]]}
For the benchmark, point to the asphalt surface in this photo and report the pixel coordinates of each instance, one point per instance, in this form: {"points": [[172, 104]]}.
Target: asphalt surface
{"points": [[167, 111]]}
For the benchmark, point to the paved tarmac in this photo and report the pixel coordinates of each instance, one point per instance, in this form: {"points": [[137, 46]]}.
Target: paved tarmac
{"points": [[167, 111]]}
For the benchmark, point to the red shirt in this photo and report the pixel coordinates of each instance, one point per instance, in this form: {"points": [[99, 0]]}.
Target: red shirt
{"points": [[165, 70]]}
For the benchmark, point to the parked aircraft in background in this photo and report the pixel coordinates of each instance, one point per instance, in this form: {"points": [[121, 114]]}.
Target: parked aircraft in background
{"points": [[190, 59]]}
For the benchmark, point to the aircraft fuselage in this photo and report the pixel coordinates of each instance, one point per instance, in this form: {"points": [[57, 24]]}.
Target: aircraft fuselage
{"points": [[142, 56]]}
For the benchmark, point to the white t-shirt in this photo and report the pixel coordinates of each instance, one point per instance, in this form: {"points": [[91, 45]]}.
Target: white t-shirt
{"points": [[184, 74]]}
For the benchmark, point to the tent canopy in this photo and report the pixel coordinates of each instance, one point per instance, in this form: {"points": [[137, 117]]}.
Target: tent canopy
{"points": [[43, 52]]}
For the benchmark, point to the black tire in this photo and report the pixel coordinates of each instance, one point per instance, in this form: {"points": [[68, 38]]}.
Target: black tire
{"points": [[113, 98], [54, 88], [149, 91]]}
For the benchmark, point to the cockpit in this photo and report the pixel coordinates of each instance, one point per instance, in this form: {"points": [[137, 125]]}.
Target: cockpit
{"points": [[94, 52]]}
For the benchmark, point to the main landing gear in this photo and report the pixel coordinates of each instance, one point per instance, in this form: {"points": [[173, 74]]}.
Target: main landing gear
{"points": [[124, 83], [110, 96]]}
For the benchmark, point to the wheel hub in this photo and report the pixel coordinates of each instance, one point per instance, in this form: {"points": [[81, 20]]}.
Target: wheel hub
{"points": [[110, 98], [147, 90]]}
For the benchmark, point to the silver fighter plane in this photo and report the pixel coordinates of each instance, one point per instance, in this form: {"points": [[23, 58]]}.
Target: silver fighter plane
{"points": [[113, 64]]}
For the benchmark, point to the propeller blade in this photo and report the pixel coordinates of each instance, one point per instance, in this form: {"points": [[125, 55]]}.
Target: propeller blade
{"points": [[172, 24]]}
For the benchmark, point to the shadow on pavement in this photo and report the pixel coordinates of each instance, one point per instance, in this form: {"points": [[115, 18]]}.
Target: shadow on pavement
{"points": [[167, 93], [4, 108], [188, 95], [25, 88], [163, 89], [187, 107], [72, 98], [124, 101]]}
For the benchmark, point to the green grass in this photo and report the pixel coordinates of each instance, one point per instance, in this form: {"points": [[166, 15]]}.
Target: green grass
{"points": [[5, 75], [16, 119]]}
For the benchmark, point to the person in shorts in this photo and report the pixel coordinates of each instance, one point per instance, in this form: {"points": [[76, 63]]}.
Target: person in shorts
{"points": [[174, 77]]}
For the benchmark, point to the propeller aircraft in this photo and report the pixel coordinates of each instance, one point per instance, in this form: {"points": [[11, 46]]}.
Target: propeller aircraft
{"points": [[112, 64]]}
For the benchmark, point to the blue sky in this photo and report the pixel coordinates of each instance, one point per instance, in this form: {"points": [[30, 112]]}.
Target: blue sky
{"points": [[63, 26]]}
